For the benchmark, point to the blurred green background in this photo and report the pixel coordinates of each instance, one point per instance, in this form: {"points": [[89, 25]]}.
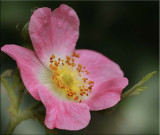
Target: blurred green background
{"points": [[127, 33]]}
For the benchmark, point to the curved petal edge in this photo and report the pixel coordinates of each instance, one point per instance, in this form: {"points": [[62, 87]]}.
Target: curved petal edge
{"points": [[63, 114], [28, 64]]}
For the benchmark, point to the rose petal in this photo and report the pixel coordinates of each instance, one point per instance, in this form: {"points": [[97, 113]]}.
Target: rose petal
{"points": [[107, 94], [28, 64], [63, 114], [108, 79], [100, 67], [54, 32]]}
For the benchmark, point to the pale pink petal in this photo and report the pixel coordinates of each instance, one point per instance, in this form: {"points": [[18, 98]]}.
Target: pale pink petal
{"points": [[100, 67], [54, 32], [28, 64], [107, 94], [63, 114], [108, 79]]}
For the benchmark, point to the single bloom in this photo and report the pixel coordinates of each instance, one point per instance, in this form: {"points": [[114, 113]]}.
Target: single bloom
{"points": [[70, 83]]}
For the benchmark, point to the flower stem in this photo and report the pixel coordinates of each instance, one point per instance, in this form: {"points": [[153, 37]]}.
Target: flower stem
{"points": [[35, 106], [20, 95], [11, 125], [16, 116], [134, 89], [10, 91]]}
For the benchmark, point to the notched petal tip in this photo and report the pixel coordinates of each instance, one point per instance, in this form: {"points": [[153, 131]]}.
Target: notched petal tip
{"points": [[71, 12], [39, 12], [54, 31]]}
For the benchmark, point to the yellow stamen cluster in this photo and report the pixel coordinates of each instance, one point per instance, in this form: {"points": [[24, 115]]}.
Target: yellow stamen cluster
{"points": [[68, 76]]}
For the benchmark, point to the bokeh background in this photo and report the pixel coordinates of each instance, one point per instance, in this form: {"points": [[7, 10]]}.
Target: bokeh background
{"points": [[127, 33]]}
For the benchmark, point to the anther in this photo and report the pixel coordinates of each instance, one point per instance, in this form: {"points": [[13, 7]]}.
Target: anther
{"points": [[53, 56], [84, 79], [53, 67], [90, 90], [90, 82], [87, 72], [55, 63], [80, 66], [75, 55], [68, 58], [76, 98]]}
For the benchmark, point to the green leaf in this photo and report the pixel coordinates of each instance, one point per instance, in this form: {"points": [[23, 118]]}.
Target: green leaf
{"points": [[7, 73], [137, 89], [25, 35], [16, 80], [25, 32], [18, 27]]}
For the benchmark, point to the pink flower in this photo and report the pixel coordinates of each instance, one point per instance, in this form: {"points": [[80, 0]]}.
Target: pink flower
{"points": [[69, 82]]}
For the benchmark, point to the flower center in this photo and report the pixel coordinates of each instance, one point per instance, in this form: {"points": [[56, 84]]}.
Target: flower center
{"points": [[67, 79], [69, 76]]}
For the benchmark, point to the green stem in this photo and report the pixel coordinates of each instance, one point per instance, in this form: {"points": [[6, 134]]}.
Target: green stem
{"points": [[26, 114], [12, 97], [135, 87], [132, 91], [20, 95], [11, 125], [9, 90], [16, 116], [35, 106]]}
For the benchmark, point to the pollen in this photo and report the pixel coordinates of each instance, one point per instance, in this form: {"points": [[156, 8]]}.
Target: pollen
{"points": [[70, 77]]}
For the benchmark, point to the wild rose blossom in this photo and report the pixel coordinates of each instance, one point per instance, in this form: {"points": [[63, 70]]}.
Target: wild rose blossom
{"points": [[69, 82]]}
